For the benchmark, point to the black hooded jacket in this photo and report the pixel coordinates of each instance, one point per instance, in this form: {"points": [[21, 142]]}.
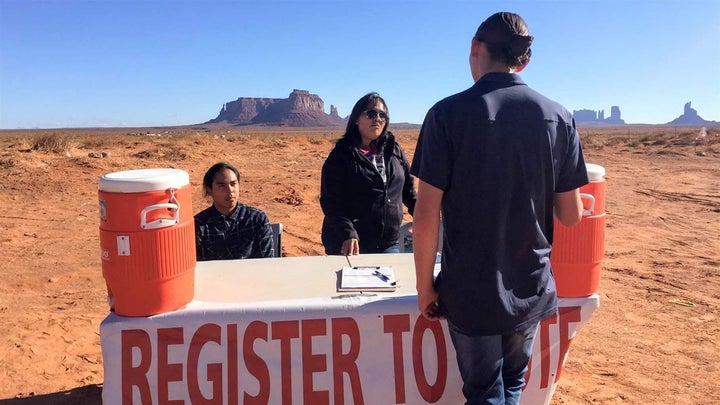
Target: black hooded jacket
{"points": [[357, 203]]}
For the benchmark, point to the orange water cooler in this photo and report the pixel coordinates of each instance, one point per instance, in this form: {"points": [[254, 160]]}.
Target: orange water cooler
{"points": [[147, 240], [578, 250]]}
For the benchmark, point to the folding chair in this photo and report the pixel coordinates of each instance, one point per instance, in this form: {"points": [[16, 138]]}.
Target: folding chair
{"points": [[277, 229], [406, 237]]}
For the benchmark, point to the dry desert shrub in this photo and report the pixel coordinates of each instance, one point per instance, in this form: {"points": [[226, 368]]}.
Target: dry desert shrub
{"points": [[589, 139], [6, 163], [100, 141], [598, 139], [162, 152], [290, 197], [200, 140], [318, 140], [19, 144], [55, 143], [280, 142]]}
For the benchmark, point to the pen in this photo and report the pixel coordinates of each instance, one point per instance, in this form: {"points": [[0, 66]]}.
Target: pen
{"points": [[381, 276]]}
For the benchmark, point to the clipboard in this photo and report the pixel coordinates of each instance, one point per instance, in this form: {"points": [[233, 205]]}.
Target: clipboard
{"points": [[367, 278]]}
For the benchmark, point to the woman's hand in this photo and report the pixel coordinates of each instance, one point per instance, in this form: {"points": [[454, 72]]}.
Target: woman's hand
{"points": [[350, 247]]}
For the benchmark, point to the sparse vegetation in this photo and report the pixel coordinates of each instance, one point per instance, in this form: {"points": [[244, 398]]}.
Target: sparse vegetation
{"points": [[640, 138], [661, 249], [166, 152], [6, 163], [315, 140], [55, 143]]}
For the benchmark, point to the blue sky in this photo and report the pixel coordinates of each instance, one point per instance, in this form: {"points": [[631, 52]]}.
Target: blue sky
{"points": [[72, 63]]}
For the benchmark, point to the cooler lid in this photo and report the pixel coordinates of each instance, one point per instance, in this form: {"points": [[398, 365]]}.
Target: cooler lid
{"points": [[595, 172], [143, 180]]}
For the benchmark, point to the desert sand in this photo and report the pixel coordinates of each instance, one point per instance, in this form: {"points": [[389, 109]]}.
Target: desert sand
{"points": [[654, 339]]}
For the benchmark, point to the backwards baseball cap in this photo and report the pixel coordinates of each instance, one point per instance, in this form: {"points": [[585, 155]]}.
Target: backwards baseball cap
{"points": [[507, 31]]}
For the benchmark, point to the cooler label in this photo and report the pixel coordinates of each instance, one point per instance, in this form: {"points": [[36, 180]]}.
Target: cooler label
{"points": [[105, 254], [123, 245]]}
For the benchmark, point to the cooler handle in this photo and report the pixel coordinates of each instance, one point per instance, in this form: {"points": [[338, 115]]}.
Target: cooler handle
{"points": [[159, 223], [591, 198]]}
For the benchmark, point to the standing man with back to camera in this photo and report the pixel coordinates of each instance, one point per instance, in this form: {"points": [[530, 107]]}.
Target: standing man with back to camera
{"points": [[497, 160]]}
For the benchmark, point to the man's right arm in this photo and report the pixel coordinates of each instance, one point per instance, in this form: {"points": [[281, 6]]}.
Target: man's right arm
{"points": [[568, 207], [426, 225]]}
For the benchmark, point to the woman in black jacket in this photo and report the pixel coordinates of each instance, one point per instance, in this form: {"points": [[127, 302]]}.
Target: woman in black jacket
{"points": [[365, 182]]}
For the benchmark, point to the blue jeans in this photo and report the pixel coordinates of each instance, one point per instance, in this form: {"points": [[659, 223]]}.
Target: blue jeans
{"points": [[493, 367], [390, 249]]}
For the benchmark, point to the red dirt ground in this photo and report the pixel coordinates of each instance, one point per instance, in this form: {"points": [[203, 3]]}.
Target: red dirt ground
{"points": [[653, 340]]}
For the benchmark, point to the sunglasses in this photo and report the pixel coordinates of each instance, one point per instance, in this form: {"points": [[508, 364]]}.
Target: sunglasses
{"points": [[372, 114]]}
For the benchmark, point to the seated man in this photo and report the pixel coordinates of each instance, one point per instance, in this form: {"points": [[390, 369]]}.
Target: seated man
{"points": [[228, 229]]}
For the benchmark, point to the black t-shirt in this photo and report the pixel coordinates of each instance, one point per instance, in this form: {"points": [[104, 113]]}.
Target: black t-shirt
{"points": [[499, 151]]}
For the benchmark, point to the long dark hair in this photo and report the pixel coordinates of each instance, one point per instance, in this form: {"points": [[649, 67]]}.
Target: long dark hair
{"points": [[507, 39], [368, 101], [212, 171]]}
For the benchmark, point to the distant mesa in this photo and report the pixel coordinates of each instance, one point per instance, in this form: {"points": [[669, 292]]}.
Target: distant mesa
{"points": [[300, 109], [598, 117], [591, 117], [690, 117]]}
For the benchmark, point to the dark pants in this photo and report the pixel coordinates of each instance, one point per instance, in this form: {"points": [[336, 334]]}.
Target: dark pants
{"points": [[493, 367], [390, 249]]}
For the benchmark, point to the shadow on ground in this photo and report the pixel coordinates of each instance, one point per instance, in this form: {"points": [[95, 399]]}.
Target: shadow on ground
{"points": [[86, 395]]}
